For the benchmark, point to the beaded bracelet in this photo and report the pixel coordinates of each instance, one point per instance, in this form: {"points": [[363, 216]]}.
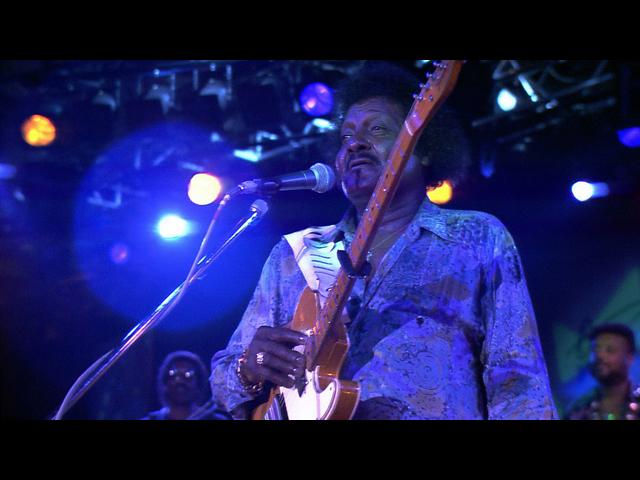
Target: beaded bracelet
{"points": [[251, 388]]}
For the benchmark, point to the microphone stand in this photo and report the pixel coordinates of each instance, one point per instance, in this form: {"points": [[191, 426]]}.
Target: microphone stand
{"points": [[153, 319]]}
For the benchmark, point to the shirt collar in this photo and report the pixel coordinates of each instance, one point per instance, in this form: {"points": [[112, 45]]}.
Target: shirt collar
{"points": [[429, 217]]}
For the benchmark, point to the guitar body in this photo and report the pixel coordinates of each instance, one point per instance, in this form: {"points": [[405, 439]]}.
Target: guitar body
{"points": [[321, 395]]}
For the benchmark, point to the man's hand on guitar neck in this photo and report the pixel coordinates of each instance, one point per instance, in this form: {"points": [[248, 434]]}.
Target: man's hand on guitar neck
{"points": [[271, 358]]}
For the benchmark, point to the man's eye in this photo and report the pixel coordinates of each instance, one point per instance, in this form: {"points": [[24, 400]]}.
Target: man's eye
{"points": [[378, 128], [346, 137]]}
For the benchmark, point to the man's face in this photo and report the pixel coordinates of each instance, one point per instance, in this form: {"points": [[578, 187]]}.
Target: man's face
{"points": [[368, 133], [181, 386], [610, 358]]}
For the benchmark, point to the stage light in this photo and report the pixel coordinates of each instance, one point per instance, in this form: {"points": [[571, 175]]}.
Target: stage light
{"points": [[528, 88], [630, 137], [249, 154], [38, 131], [316, 99], [583, 191], [162, 94], [7, 171], [171, 227], [506, 100], [119, 253], [106, 100], [441, 194], [218, 89], [204, 189]]}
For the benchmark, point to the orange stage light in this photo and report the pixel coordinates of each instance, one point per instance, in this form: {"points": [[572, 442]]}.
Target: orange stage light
{"points": [[38, 131]]}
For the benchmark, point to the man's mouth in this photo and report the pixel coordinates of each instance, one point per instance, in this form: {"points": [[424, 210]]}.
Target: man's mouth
{"points": [[601, 366], [360, 161]]}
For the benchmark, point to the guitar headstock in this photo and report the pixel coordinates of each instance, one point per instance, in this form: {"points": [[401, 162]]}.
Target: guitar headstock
{"points": [[440, 83]]}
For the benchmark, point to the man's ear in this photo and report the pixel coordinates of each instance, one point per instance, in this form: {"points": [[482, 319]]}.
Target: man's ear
{"points": [[630, 358]]}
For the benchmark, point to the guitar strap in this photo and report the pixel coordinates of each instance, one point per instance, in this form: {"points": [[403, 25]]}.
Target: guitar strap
{"points": [[316, 258]]}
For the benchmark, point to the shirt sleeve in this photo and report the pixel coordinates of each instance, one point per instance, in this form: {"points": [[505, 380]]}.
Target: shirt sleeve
{"points": [[263, 309], [514, 371]]}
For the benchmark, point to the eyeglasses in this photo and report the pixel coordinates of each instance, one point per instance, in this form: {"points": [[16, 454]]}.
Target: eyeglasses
{"points": [[174, 372]]}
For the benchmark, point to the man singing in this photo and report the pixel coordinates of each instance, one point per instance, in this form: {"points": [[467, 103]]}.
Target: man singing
{"points": [[443, 327]]}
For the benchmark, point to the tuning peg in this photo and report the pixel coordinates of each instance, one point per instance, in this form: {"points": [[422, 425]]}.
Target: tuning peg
{"points": [[428, 75], [440, 65], [418, 97], [424, 85]]}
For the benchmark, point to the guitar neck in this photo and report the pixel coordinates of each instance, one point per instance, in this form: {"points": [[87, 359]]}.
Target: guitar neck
{"points": [[363, 238], [432, 95]]}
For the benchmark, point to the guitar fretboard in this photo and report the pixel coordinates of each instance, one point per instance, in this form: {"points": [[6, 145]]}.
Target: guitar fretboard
{"points": [[424, 107]]}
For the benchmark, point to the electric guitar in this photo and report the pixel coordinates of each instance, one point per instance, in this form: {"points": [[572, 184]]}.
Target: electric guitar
{"points": [[321, 394]]}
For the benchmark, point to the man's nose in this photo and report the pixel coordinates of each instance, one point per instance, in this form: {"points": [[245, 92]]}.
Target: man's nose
{"points": [[357, 143]]}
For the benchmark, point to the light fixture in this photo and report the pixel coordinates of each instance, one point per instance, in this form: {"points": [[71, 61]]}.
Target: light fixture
{"points": [[38, 131], [528, 88], [316, 99], [630, 137], [442, 194], [583, 191], [204, 188], [219, 89], [162, 94], [506, 100], [172, 227], [105, 100]]}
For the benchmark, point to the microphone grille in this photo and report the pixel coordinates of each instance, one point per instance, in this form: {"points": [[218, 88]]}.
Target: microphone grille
{"points": [[325, 177]]}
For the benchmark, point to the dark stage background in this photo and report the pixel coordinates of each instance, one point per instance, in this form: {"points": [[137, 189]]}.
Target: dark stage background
{"points": [[81, 264]]}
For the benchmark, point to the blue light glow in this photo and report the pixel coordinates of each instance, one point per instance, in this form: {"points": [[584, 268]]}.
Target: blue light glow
{"points": [[171, 227], [506, 100], [316, 99], [7, 171], [630, 137], [584, 191], [528, 88], [119, 253]]}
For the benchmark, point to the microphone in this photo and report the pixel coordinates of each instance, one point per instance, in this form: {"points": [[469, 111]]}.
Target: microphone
{"points": [[319, 178]]}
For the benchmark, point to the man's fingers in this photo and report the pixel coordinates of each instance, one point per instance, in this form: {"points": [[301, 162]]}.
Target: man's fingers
{"points": [[277, 350], [277, 364], [281, 335], [275, 377]]}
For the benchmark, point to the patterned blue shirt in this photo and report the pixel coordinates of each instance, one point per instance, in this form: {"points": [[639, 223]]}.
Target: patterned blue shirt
{"points": [[444, 329]]}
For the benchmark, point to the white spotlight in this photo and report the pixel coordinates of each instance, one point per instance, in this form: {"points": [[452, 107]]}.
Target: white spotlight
{"points": [[584, 191], [506, 100], [172, 226]]}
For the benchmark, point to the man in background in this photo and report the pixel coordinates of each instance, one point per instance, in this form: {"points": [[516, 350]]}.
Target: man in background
{"points": [[183, 389], [615, 398]]}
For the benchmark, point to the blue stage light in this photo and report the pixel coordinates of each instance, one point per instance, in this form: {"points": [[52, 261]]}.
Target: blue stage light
{"points": [[506, 100], [630, 137], [584, 191], [316, 99], [171, 227]]}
